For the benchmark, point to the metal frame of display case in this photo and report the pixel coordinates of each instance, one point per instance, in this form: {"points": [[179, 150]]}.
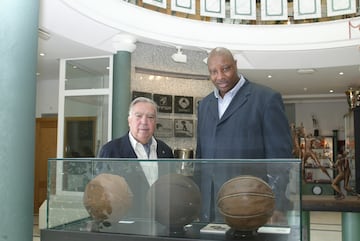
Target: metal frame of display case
{"points": [[68, 219]]}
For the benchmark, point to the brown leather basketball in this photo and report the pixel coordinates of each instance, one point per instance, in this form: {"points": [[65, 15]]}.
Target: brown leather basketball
{"points": [[107, 197], [246, 202], [174, 200]]}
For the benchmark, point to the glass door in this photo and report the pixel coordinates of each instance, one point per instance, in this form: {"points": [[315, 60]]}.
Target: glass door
{"points": [[85, 114], [85, 103]]}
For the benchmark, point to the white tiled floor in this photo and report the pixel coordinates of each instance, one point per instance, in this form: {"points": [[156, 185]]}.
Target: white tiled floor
{"points": [[324, 226]]}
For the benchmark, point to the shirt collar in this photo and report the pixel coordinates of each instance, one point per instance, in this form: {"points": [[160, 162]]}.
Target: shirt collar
{"points": [[233, 91], [135, 142]]}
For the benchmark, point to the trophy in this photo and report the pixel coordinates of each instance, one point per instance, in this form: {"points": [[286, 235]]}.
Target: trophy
{"points": [[353, 97]]}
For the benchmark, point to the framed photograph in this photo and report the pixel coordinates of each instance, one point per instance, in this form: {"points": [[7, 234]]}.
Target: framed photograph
{"points": [[184, 128], [136, 94], [164, 102], [184, 104], [164, 128]]}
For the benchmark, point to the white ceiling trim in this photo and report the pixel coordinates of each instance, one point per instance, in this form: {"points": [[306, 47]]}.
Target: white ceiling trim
{"points": [[160, 27]]}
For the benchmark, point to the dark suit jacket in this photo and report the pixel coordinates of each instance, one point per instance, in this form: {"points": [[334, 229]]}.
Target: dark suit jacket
{"points": [[253, 126], [131, 170], [121, 148]]}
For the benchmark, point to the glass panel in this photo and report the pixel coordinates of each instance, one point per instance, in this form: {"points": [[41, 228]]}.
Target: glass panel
{"points": [[87, 74], [86, 125], [118, 199]]}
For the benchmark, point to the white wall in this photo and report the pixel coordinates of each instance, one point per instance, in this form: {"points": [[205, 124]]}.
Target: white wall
{"points": [[47, 92], [330, 116]]}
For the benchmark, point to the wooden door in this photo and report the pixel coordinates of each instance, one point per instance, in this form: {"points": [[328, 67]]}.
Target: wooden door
{"points": [[45, 148]]}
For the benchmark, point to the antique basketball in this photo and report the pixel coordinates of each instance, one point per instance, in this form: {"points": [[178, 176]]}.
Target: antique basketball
{"points": [[246, 202], [107, 197], [174, 200]]}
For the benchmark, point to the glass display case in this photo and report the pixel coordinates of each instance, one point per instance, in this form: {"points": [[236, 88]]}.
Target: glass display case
{"points": [[132, 199]]}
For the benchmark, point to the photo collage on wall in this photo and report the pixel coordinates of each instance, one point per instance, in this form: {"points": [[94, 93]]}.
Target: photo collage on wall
{"points": [[176, 114]]}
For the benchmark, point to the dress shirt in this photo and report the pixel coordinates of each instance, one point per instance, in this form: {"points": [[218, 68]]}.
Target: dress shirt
{"points": [[223, 103], [150, 168]]}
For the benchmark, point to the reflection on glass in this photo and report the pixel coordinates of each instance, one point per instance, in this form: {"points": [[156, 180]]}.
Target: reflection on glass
{"points": [[112, 196], [87, 73], [86, 125]]}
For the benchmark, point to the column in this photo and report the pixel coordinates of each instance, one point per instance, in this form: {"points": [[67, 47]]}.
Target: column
{"points": [[350, 223], [124, 45], [18, 61]]}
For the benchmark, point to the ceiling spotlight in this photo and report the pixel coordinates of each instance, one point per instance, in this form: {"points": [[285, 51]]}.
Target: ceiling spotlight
{"points": [[179, 56], [305, 71]]}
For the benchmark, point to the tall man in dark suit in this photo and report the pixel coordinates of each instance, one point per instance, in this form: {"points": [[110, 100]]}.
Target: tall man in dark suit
{"points": [[138, 143], [239, 120]]}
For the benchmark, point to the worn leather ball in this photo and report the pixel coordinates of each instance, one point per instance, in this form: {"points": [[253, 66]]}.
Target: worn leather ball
{"points": [[174, 200], [246, 202], [107, 197]]}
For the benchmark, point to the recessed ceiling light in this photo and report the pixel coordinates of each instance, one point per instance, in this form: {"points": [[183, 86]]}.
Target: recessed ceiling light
{"points": [[42, 54], [331, 91], [305, 71], [269, 76], [341, 73], [305, 89]]}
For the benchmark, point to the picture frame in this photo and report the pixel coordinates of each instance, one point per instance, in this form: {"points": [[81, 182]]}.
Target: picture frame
{"points": [[136, 94], [184, 128], [164, 102], [164, 128], [184, 104]]}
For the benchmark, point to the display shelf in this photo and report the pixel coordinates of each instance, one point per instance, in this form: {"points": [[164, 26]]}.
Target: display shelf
{"points": [[318, 165], [191, 234], [173, 212], [329, 204]]}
